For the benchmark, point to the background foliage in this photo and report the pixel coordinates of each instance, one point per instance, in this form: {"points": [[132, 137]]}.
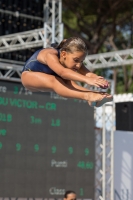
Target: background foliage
{"points": [[105, 25]]}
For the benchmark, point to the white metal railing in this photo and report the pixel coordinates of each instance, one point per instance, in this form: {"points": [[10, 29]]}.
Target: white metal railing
{"points": [[110, 59], [22, 40]]}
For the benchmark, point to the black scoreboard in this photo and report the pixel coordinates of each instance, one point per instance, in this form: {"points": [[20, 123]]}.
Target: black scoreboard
{"points": [[47, 144]]}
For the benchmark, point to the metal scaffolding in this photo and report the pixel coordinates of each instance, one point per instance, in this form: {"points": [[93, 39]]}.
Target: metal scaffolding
{"points": [[53, 27], [18, 14], [52, 31], [22, 40], [104, 153], [110, 59], [10, 70]]}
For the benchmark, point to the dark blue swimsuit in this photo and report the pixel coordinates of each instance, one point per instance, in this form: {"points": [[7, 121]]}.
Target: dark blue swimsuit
{"points": [[32, 64]]}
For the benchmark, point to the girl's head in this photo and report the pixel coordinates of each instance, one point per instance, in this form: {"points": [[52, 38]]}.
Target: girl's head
{"points": [[70, 195], [72, 52], [73, 44]]}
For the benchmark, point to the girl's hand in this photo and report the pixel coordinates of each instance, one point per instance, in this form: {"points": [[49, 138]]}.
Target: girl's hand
{"points": [[97, 81]]}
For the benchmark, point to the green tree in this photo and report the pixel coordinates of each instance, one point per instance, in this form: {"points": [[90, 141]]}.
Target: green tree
{"points": [[105, 25], [97, 20]]}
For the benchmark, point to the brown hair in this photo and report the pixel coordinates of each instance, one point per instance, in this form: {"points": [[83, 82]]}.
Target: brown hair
{"points": [[68, 192], [73, 44]]}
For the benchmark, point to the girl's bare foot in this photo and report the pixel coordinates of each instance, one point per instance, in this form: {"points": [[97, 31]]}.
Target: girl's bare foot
{"points": [[104, 100]]}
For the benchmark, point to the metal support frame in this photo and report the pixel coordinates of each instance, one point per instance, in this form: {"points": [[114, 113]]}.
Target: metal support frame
{"points": [[53, 27], [104, 170], [18, 14], [104, 180], [110, 59], [22, 40], [51, 33], [8, 70], [98, 160]]}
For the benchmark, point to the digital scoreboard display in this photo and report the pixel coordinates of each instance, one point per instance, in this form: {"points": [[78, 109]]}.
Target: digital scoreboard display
{"points": [[47, 144]]}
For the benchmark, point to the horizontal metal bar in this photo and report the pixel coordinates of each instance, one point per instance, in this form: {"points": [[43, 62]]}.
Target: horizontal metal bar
{"points": [[18, 14]]}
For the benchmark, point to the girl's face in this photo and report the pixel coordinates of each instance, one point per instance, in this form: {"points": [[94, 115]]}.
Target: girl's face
{"points": [[72, 60]]}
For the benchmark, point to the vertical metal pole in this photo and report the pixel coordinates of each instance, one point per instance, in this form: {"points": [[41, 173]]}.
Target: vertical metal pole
{"points": [[60, 11], [45, 35], [104, 156], [112, 153], [53, 27], [112, 145], [46, 13], [60, 21], [53, 20]]}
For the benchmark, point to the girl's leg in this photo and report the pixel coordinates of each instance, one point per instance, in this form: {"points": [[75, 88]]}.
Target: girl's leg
{"points": [[74, 85], [45, 82]]}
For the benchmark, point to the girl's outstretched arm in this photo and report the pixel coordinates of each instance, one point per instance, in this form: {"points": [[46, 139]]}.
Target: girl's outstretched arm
{"points": [[50, 58]]}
